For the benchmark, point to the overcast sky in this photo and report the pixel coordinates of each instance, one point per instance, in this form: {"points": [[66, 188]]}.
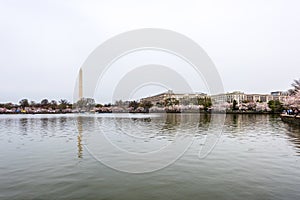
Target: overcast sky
{"points": [[255, 45]]}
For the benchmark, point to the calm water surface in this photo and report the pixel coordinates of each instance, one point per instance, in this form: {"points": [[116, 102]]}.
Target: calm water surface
{"points": [[44, 157]]}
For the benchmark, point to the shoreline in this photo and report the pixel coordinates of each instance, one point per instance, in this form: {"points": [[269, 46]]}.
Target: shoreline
{"points": [[184, 112]]}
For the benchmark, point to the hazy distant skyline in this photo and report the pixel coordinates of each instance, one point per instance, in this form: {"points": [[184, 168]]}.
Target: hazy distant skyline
{"points": [[255, 45]]}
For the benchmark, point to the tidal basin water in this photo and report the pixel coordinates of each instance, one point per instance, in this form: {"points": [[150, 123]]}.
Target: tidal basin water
{"points": [[56, 157]]}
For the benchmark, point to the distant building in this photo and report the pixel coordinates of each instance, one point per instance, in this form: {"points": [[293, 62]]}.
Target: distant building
{"points": [[279, 95], [185, 99], [258, 98], [241, 97], [158, 99], [238, 96], [276, 93]]}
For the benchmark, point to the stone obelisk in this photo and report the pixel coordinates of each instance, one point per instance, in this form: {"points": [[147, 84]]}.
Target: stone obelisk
{"points": [[80, 85]]}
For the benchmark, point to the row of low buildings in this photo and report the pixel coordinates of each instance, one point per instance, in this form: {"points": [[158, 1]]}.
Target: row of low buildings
{"points": [[159, 99], [239, 97]]}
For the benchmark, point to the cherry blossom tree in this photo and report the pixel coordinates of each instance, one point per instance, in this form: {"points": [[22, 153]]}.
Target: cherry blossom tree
{"points": [[293, 101], [262, 107]]}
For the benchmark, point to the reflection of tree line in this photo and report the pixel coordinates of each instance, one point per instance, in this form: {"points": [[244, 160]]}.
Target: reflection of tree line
{"points": [[26, 124], [175, 121], [294, 133], [171, 122], [204, 121]]}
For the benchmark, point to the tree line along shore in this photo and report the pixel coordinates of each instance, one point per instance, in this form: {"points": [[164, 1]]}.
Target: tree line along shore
{"points": [[289, 106], [169, 105]]}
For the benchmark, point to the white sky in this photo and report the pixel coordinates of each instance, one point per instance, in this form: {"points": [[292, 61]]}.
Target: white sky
{"points": [[255, 44]]}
